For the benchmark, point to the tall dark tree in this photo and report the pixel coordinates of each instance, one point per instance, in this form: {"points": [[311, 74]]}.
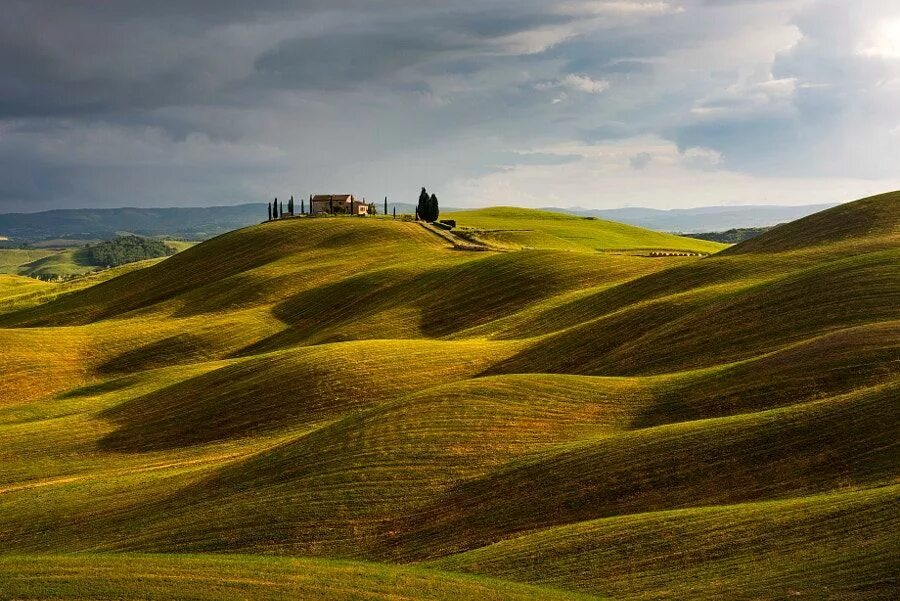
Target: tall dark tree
{"points": [[395, 212], [422, 207], [269, 208], [433, 210], [302, 208], [275, 208], [385, 206], [281, 209], [291, 205]]}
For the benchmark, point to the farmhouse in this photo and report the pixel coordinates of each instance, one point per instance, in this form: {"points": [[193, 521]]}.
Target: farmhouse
{"points": [[337, 203]]}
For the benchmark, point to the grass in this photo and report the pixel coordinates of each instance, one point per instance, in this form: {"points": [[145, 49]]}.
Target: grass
{"points": [[63, 264], [766, 550], [871, 220], [13, 286], [12, 259], [216, 578], [515, 228], [563, 411], [765, 455]]}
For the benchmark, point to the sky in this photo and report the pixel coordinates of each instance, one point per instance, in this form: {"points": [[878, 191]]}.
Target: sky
{"points": [[597, 104]]}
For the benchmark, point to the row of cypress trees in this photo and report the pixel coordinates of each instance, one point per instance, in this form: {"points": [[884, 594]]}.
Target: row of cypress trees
{"points": [[276, 209]]}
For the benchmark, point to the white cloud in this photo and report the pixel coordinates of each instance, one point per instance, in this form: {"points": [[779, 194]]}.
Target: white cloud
{"points": [[576, 83], [604, 177], [625, 7], [583, 83], [749, 95], [883, 41]]}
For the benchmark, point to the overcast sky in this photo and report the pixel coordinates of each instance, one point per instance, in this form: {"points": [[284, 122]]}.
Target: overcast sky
{"points": [[529, 102]]}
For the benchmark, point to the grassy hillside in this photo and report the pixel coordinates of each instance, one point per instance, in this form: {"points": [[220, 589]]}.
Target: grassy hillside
{"points": [[12, 259], [63, 264], [753, 551], [525, 228], [12, 286], [68, 263], [217, 578], [587, 407], [870, 220]]}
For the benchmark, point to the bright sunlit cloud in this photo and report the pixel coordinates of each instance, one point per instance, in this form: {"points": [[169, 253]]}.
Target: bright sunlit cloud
{"points": [[884, 41]]}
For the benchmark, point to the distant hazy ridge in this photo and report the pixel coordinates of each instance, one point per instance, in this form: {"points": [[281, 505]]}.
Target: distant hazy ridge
{"points": [[205, 222]]}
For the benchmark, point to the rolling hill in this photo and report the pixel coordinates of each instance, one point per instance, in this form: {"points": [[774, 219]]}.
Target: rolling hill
{"points": [[344, 407]]}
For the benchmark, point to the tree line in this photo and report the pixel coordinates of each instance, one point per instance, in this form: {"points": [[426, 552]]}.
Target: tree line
{"points": [[126, 249], [426, 210]]}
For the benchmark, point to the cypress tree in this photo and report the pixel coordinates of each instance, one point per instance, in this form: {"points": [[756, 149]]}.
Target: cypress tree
{"points": [[269, 209], [385, 206], [281, 209], [395, 212], [291, 205], [422, 207], [275, 208], [302, 208], [433, 210]]}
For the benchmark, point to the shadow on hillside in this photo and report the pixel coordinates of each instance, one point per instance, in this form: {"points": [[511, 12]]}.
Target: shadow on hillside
{"points": [[174, 350]]}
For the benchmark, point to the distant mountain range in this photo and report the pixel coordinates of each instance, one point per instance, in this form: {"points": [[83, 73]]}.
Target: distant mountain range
{"points": [[701, 219], [188, 222], [197, 223], [191, 223]]}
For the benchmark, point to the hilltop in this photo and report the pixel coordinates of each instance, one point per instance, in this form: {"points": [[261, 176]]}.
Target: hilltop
{"points": [[200, 223], [874, 220], [355, 406]]}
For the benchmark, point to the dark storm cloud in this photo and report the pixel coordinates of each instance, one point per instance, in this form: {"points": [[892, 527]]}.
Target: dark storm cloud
{"points": [[83, 84], [202, 102], [368, 57], [374, 52]]}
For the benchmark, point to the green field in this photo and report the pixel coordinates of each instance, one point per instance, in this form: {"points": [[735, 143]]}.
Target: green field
{"points": [[59, 263], [515, 228], [12, 259], [356, 408]]}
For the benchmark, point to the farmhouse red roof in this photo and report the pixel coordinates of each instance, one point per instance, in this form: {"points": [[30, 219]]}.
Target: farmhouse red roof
{"points": [[337, 197]]}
